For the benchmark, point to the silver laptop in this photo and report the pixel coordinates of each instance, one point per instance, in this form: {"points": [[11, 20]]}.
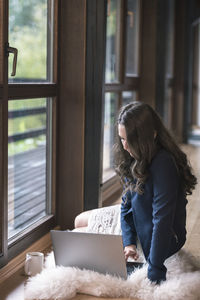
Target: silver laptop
{"points": [[102, 253]]}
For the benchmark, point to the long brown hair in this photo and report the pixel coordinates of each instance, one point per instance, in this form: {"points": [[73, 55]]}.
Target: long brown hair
{"points": [[146, 134]]}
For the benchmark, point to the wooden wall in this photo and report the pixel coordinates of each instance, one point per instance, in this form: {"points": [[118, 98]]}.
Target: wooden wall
{"points": [[148, 52], [71, 153], [71, 111]]}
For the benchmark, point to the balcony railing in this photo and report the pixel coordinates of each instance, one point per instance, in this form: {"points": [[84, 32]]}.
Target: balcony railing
{"points": [[26, 177]]}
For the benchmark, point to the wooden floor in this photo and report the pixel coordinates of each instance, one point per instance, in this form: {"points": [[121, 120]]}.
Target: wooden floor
{"points": [[13, 289]]}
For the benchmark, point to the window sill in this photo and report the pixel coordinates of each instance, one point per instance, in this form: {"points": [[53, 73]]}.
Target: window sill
{"points": [[108, 175], [111, 191], [42, 245]]}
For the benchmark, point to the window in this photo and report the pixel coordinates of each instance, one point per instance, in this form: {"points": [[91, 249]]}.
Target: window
{"points": [[132, 36], [28, 99], [30, 31], [194, 134], [113, 35], [128, 96], [121, 72], [29, 156], [111, 106]]}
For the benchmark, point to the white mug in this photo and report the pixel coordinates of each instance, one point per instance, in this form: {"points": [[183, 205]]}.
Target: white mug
{"points": [[34, 263]]}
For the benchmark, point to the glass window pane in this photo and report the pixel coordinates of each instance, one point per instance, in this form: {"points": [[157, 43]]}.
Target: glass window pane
{"points": [[30, 31], [28, 158], [110, 114], [128, 96], [132, 37], [113, 41], [195, 117], [1, 177]]}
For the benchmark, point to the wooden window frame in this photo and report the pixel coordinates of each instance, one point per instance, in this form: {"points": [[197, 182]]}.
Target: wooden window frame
{"points": [[127, 83], [16, 91], [94, 91]]}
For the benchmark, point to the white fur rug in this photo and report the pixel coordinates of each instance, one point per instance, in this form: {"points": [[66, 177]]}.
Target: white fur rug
{"points": [[183, 282]]}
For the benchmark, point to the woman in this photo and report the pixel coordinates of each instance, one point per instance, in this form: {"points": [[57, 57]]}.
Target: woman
{"points": [[156, 177]]}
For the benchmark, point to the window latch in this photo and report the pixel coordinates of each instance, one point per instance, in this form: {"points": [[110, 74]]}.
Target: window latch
{"points": [[14, 51]]}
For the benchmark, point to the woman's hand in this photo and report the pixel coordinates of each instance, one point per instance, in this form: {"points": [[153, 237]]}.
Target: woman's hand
{"points": [[130, 251]]}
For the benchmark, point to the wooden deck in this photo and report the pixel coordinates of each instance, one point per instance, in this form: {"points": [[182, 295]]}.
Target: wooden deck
{"points": [[26, 188]]}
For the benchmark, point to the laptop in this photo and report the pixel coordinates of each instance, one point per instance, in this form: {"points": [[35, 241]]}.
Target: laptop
{"points": [[102, 253]]}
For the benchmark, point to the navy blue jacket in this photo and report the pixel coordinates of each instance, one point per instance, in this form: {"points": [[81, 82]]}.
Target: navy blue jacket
{"points": [[157, 218]]}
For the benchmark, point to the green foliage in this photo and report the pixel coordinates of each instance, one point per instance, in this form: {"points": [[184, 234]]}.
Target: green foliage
{"points": [[28, 103], [23, 124], [23, 13], [112, 39], [112, 18], [31, 61], [26, 145], [28, 33], [20, 125]]}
